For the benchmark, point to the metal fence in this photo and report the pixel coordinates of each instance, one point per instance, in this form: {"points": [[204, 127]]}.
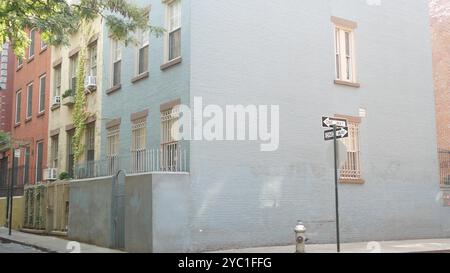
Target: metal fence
{"points": [[444, 166], [21, 176], [170, 158]]}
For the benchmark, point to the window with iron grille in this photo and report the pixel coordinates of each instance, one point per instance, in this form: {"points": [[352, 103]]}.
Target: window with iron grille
{"points": [[142, 54], [92, 53], [351, 170], [139, 145], [26, 166], [90, 149], [29, 101], [54, 150], [112, 150], [70, 153], [169, 142], [57, 81], [116, 54], [174, 27], [73, 72]]}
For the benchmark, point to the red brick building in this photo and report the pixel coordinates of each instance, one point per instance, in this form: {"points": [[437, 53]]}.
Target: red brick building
{"points": [[30, 110], [6, 97], [440, 30]]}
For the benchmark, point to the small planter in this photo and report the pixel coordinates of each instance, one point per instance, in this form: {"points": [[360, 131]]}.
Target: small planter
{"points": [[68, 101]]}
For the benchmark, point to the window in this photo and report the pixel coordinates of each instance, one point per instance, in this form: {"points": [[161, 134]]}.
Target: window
{"points": [[54, 151], [143, 45], [39, 161], [351, 170], [116, 54], [92, 54], [18, 106], [90, 148], [26, 167], [42, 93], [32, 43], [57, 80], [19, 62], [138, 145], [169, 142], [70, 153], [112, 150], [345, 54], [174, 29], [43, 44], [29, 101], [73, 72]]}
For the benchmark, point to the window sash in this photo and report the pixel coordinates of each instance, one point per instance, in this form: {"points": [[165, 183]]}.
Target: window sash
{"points": [[57, 83], [18, 106], [32, 43], [42, 94], [174, 15], [175, 44], [117, 66], [143, 59], [73, 72], [344, 45], [93, 60], [54, 151], [29, 101], [39, 161]]}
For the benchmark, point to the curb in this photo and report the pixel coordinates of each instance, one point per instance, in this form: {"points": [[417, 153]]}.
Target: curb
{"points": [[28, 245]]}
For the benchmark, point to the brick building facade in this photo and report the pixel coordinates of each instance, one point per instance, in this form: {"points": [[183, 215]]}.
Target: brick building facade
{"points": [[30, 110]]}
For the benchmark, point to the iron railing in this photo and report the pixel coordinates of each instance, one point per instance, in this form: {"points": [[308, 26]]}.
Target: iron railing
{"points": [[444, 167], [170, 158], [21, 176]]}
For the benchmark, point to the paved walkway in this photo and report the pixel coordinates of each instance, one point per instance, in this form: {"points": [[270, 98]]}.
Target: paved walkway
{"points": [[50, 243], [409, 246]]}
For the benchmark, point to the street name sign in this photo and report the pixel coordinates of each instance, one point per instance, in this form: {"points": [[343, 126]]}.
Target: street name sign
{"points": [[328, 122], [17, 153], [341, 132]]}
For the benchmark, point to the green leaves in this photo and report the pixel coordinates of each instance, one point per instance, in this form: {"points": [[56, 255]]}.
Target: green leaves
{"points": [[56, 20]]}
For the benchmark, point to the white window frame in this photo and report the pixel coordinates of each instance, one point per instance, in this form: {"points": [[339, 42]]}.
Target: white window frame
{"points": [[29, 111], [40, 93], [143, 37], [116, 56], [341, 56], [32, 43], [57, 80], [54, 151], [73, 66], [19, 62], [93, 67], [171, 29], [18, 105]]}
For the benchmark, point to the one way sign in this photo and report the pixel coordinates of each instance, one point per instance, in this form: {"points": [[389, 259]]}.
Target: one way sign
{"points": [[328, 122], [340, 133]]}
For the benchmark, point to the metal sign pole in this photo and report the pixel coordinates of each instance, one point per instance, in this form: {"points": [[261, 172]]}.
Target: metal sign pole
{"points": [[11, 194], [336, 188]]}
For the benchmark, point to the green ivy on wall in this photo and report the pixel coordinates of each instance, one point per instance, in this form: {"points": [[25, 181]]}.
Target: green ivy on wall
{"points": [[79, 115]]}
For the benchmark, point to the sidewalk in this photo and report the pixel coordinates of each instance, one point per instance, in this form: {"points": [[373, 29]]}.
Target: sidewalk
{"points": [[408, 246], [49, 243]]}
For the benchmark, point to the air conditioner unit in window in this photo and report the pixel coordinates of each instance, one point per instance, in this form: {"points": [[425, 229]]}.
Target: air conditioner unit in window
{"points": [[50, 174], [90, 83], [56, 100]]}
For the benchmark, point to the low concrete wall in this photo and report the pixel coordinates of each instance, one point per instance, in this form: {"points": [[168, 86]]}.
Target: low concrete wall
{"points": [[156, 212], [18, 209], [90, 211]]}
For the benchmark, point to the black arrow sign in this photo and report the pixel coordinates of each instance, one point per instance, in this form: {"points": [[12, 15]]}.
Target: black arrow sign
{"points": [[341, 132], [328, 122]]}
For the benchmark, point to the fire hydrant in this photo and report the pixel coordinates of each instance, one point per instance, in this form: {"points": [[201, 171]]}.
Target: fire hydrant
{"points": [[300, 237]]}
